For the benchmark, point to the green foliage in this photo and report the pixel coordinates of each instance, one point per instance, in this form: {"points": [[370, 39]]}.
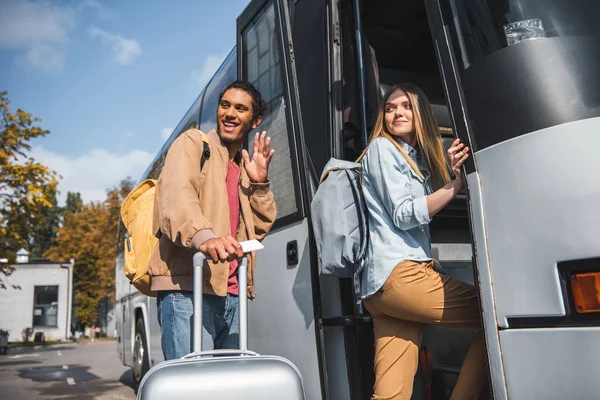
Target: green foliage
{"points": [[74, 204]]}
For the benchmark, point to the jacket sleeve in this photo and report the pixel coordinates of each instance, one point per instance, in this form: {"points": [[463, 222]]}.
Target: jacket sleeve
{"points": [[180, 214], [263, 207], [389, 177]]}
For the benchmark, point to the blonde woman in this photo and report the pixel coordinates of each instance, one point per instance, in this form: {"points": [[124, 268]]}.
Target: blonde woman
{"points": [[405, 183]]}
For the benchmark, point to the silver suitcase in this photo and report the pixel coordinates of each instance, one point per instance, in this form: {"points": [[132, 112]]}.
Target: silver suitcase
{"points": [[236, 374]]}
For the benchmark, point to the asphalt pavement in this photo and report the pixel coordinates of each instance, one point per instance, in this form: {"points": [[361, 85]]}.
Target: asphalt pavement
{"points": [[66, 371]]}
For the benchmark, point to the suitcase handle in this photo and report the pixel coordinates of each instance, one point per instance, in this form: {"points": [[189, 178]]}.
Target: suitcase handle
{"points": [[220, 353], [199, 259]]}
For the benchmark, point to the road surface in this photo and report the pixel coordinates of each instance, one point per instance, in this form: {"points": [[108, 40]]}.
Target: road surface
{"points": [[69, 371]]}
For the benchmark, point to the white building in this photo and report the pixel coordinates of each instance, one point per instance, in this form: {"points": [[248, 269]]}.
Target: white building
{"points": [[43, 302]]}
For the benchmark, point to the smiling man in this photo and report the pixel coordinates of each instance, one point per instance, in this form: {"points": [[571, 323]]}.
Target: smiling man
{"points": [[209, 201]]}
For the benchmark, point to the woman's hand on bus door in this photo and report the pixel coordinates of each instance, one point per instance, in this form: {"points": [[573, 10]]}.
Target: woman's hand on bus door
{"points": [[458, 154], [222, 249], [257, 168]]}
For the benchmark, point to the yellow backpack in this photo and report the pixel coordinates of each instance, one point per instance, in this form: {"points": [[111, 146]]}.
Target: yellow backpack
{"points": [[137, 214]]}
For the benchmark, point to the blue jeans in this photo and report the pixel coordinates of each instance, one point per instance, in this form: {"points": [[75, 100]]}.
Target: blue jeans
{"points": [[220, 322]]}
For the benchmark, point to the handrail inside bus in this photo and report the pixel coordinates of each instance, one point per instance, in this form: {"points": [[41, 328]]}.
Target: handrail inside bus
{"points": [[361, 73]]}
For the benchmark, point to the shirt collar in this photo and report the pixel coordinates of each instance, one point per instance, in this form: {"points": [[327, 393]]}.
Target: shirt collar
{"points": [[412, 152]]}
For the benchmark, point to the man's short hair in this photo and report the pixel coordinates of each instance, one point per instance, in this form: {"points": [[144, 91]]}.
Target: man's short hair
{"points": [[259, 106]]}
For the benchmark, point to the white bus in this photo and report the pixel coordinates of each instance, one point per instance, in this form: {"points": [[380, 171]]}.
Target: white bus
{"points": [[524, 231]]}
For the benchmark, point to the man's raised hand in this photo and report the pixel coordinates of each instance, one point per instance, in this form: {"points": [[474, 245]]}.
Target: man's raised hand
{"points": [[257, 168]]}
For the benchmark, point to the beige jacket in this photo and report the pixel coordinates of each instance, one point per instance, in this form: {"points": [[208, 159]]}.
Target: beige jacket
{"points": [[189, 201]]}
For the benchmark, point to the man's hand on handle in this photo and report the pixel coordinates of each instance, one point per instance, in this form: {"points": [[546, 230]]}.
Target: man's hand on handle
{"points": [[222, 249]]}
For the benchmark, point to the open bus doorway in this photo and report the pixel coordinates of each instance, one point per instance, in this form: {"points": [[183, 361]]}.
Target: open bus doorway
{"points": [[396, 47]]}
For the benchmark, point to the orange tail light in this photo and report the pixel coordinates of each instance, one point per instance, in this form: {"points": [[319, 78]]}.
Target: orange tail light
{"points": [[586, 292]]}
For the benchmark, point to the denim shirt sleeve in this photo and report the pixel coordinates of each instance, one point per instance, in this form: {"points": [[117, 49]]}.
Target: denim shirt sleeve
{"points": [[390, 177]]}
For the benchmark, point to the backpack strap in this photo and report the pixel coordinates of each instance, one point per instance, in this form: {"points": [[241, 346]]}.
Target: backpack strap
{"points": [[205, 151], [364, 234], [205, 156]]}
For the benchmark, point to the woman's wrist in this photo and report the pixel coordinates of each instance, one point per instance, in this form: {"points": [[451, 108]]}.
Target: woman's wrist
{"points": [[458, 183]]}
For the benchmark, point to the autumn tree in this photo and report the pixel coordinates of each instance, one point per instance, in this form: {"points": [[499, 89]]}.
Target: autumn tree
{"points": [[89, 236], [27, 188]]}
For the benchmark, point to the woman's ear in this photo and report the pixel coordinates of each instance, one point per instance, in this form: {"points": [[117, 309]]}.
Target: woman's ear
{"points": [[256, 121]]}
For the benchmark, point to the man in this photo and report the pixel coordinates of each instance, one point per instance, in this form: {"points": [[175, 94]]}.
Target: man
{"points": [[210, 203]]}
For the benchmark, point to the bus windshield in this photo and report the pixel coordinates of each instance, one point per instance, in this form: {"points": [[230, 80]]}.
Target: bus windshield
{"points": [[486, 26]]}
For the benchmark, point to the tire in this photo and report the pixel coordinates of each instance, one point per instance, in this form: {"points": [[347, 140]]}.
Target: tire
{"points": [[141, 364]]}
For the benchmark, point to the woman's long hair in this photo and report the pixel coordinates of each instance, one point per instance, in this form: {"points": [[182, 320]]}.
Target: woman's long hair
{"points": [[426, 129]]}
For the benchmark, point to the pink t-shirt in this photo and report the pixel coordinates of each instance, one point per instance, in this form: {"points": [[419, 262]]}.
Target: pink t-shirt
{"points": [[233, 196]]}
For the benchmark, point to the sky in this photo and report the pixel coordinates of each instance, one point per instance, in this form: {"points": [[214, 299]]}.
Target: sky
{"points": [[110, 79]]}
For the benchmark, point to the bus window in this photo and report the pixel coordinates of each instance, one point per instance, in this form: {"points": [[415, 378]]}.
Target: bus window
{"points": [[226, 74], [190, 120], [262, 67]]}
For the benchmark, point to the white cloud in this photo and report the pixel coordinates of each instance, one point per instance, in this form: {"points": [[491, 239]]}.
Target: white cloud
{"points": [[124, 51], [92, 173], [23, 23], [95, 5], [211, 64], [37, 30], [166, 132], [44, 56]]}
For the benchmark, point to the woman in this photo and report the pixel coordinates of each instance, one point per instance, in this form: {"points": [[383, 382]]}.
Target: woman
{"points": [[400, 287]]}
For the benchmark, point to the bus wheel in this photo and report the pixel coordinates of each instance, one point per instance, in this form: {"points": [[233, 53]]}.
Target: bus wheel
{"points": [[140, 352]]}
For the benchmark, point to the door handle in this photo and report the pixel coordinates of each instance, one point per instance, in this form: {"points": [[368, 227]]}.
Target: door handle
{"points": [[292, 253]]}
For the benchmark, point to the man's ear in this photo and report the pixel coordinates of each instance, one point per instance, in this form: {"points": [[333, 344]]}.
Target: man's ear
{"points": [[256, 121]]}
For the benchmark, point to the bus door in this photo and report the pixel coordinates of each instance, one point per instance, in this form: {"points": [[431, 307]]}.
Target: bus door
{"points": [[282, 318]]}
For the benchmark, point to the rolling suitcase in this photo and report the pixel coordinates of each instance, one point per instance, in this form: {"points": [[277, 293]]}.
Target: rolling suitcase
{"points": [[236, 374]]}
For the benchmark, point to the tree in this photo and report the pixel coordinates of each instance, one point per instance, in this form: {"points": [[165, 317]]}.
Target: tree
{"points": [[82, 238], [27, 188], [74, 203], [45, 230], [89, 236], [114, 199]]}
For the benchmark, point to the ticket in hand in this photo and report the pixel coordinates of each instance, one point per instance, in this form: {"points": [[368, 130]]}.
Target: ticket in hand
{"points": [[251, 245]]}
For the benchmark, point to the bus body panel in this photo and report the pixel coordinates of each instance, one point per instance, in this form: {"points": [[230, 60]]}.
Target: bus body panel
{"points": [[147, 306], [335, 350], [486, 293], [552, 363], [281, 319], [541, 208], [121, 290], [154, 346]]}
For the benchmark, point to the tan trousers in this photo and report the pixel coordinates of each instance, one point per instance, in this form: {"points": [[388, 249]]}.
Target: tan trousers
{"points": [[415, 294]]}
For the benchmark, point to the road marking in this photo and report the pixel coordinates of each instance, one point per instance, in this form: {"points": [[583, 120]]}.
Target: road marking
{"points": [[24, 355], [59, 353], [70, 381], [65, 367]]}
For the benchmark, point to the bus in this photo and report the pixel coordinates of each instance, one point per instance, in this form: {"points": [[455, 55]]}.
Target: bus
{"points": [[517, 81]]}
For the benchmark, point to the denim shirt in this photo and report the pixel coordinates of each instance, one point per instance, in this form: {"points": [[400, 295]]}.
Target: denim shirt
{"points": [[398, 215]]}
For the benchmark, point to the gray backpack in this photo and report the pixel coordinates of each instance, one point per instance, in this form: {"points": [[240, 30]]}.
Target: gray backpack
{"points": [[339, 221]]}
